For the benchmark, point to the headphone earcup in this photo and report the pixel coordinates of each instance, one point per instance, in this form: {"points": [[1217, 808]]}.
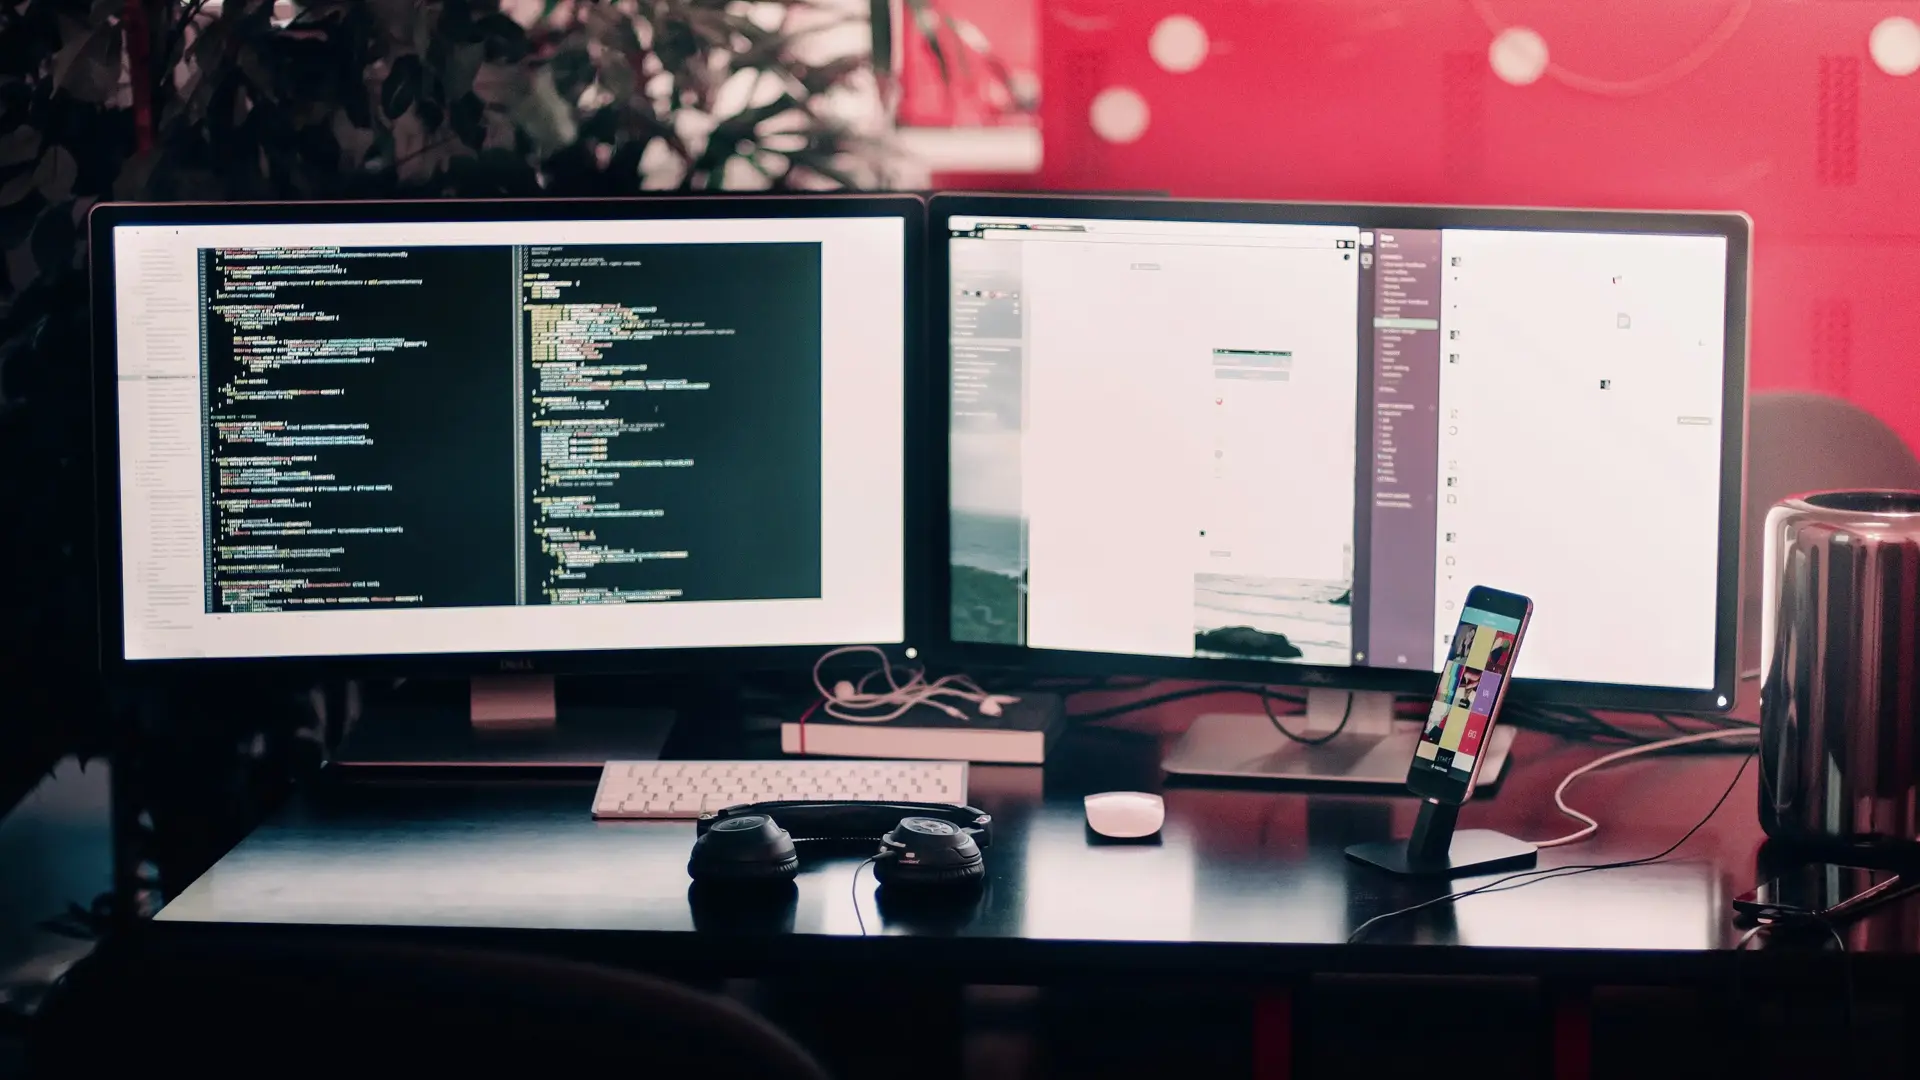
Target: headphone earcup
{"points": [[891, 871], [928, 851], [747, 849]]}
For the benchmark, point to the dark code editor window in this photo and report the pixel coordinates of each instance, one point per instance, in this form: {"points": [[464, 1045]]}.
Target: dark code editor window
{"points": [[483, 426]]}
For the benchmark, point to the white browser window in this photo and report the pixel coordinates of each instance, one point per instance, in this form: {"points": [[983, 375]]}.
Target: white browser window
{"points": [[1305, 443]]}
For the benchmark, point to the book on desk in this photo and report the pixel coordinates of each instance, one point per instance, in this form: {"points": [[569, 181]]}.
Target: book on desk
{"points": [[1022, 735]]}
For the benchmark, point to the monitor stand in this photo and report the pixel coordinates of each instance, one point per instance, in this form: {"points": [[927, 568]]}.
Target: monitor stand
{"points": [[1371, 752], [1436, 850], [508, 721]]}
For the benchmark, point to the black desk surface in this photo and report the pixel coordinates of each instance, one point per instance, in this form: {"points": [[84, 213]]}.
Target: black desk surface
{"points": [[1243, 882]]}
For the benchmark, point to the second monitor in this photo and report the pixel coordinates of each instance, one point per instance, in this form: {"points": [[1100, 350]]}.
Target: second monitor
{"points": [[1278, 443]]}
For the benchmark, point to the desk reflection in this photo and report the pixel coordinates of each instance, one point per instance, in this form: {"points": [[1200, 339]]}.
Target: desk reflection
{"points": [[1677, 905], [1077, 888]]}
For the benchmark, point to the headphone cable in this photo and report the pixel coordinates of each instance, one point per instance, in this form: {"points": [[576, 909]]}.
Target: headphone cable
{"points": [[854, 889]]}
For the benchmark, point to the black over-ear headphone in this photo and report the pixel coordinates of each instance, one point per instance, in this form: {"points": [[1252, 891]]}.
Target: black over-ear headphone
{"points": [[920, 843]]}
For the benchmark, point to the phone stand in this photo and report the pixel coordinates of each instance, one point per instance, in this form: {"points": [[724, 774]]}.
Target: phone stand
{"points": [[1436, 850]]}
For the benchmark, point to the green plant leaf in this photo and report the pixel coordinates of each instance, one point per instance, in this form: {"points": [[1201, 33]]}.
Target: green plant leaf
{"points": [[468, 118], [259, 75], [401, 88], [56, 174], [393, 18], [500, 84], [19, 146], [19, 187], [818, 79], [503, 38], [544, 116], [573, 72], [88, 66], [131, 184], [616, 77], [463, 62], [675, 42]]}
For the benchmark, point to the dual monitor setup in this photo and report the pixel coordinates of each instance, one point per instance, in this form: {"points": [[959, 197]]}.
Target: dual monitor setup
{"points": [[1266, 443]]}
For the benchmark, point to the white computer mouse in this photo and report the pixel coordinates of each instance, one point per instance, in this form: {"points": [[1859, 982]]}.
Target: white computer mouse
{"points": [[1125, 815]]}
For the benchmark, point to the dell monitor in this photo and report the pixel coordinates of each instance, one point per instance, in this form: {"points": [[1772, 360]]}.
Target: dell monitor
{"points": [[1279, 442], [504, 437]]}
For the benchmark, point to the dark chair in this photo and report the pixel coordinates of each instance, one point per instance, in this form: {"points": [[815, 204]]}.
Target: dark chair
{"points": [[1799, 442], [260, 1006]]}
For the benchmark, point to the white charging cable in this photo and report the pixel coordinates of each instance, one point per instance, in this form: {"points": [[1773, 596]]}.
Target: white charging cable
{"points": [[853, 701], [1592, 826]]}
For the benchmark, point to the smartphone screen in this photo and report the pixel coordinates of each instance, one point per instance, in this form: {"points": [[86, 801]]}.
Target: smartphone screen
{"points": [[1473, 682], [1815, 890]]}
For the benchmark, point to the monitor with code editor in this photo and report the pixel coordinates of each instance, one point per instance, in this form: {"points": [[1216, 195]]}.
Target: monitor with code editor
{"points": [[527, 436]]}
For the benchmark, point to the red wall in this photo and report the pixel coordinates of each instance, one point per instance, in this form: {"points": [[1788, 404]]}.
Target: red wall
{"points": [[1789, 120]]}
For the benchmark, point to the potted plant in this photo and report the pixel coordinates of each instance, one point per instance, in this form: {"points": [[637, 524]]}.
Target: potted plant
{"points": [[323, 99]]}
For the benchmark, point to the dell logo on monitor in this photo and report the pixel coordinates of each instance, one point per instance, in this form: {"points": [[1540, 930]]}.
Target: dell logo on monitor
{"points": [[516, 665]]}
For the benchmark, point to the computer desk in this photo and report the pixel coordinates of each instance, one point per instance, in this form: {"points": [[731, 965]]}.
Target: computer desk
{"points": [[1246, 887]]}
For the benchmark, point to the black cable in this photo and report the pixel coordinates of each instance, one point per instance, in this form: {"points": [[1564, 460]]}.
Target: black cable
{"points": [[1586, 726], [1512, 881], [854, 888], [1672, 723], [1846, 978], [1267, 696], [1266, 705], [1735, 1011], [1183, 694], [1593, 720]]}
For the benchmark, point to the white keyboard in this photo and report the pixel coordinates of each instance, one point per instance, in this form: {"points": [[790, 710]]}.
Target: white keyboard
{"points": [[687, 789]]}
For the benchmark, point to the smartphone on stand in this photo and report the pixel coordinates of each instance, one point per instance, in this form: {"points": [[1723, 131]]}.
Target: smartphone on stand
{"points": [[1480, 656]]}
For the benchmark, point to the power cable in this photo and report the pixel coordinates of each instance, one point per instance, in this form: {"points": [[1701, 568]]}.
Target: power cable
{"points": [[1514, 881], [1591, 825]]}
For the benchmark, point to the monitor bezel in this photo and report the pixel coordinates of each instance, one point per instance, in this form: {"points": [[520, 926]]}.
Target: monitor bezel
{"points": [[1735, 227], [105, 217]]}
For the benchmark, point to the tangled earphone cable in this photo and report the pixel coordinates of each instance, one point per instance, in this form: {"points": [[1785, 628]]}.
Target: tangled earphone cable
{"points": [[854, 702]]}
